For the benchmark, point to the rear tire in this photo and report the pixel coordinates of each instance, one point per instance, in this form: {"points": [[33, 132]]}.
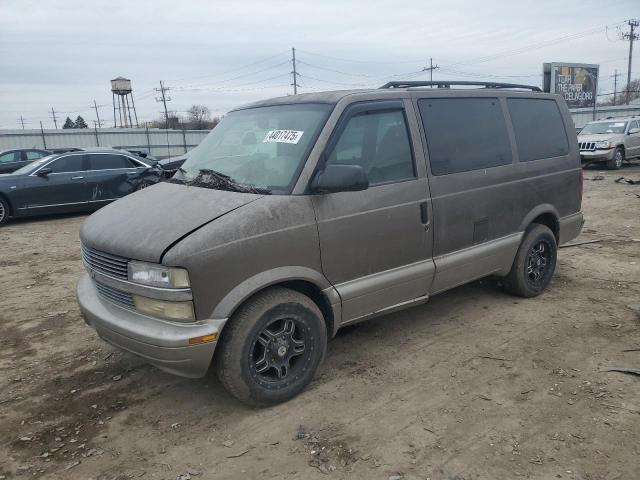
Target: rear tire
{"points": [[616, 162], [4, 211], [534, 264], [271, 347]]}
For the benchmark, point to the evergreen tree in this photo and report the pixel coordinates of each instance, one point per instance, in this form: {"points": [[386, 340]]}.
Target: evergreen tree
{"points": [[80, 123], [68, 123]]}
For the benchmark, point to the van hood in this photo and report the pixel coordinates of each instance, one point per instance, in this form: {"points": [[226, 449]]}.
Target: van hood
{"points": [[143, 225]]}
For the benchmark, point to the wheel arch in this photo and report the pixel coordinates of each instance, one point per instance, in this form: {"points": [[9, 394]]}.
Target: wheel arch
{"points": [[544, 214], [305, 280]]}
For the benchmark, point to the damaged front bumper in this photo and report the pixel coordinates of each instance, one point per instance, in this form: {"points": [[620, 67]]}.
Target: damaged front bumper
{"points": [[166, 345]]}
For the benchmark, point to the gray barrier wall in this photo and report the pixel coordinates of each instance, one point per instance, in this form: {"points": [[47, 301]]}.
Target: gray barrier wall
{"points": [[160, 143]]}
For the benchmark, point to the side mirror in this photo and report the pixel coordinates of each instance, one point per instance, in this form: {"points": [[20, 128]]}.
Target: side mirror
{"points": [[43, 172], [340, 178], [633, 131]]}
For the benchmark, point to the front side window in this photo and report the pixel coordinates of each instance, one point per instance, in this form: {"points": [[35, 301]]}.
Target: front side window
{"points": [[538, 127], [108, 161], [464, 134], [603, 127], [10, 157], [70, 163], [263, 147], [378, 141]]}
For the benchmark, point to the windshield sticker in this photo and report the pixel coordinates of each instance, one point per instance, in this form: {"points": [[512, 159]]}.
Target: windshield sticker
{"points": [[283, 136]]}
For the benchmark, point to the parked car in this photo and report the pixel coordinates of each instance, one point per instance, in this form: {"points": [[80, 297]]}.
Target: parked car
{"points": [[73, 182], [172, 164], [299, 215], [12, 160], [610, 141]]}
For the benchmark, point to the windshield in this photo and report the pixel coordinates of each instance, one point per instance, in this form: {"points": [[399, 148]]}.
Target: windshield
{"points": [[604, 127], [30, 167], [263, 147]]}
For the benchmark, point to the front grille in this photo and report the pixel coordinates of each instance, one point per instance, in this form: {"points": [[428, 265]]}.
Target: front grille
{"points": [[112, 265], [124, 299], [588, 146]]}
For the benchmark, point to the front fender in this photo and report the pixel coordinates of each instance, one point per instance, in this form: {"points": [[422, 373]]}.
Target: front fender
{"points": [[232, 300]]}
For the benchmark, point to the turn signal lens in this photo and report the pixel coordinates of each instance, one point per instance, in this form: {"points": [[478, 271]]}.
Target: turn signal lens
{"points": [[174, 311], [203, 339]]}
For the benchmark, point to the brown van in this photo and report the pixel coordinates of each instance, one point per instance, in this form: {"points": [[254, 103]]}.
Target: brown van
{"points": [[299, 215]]}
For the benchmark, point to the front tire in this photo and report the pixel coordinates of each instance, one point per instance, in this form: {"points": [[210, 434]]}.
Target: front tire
{"points": [[616, 162], [534, 264], [271, 347], [4, 211]]}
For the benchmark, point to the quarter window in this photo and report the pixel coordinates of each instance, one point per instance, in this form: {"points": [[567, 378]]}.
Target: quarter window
{"points": [[109, 162], [378, 141], [464, 134], [538, 127], [70, 163]]}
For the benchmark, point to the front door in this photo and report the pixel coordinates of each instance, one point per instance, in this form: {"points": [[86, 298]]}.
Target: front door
{"points": [[63, 189], [376, 244]]}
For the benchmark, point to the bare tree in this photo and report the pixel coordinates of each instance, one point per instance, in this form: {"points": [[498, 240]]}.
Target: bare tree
{"points": [[199, 116]]}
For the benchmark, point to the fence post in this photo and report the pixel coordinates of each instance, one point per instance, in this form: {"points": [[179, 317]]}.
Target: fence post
{"points": [[146, 126], [184, 138], [44, 142]]}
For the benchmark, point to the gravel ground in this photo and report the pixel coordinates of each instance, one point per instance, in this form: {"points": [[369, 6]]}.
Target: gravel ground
{"points": [[475, 384]]}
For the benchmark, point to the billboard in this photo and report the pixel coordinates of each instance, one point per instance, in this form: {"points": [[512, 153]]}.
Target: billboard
{"points": [[576, 82]]}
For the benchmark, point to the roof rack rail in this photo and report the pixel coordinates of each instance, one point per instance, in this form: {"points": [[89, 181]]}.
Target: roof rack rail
{"points": [[449, 84]]}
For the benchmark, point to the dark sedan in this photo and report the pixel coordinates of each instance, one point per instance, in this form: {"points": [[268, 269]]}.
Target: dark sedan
{"points": [[73, 182], [12, 160]]}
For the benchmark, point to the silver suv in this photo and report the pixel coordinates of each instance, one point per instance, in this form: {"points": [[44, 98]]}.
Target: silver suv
{"points": [[612, 141], [299, 215]]}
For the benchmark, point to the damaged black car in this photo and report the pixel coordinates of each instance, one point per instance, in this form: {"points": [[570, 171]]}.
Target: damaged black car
{"points": [[74, 182]]}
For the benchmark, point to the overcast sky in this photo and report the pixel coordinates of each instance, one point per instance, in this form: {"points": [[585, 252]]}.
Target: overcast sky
{"points": [[62, 53]]}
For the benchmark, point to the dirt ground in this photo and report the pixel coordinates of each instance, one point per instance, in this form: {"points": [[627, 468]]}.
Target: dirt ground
{"points": [[475, 384]]}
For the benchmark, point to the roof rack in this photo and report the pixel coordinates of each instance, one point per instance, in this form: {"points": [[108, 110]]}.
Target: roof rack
{"points": [[449, 84]]}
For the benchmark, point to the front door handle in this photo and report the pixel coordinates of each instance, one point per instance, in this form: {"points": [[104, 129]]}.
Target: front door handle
{"points": [[77, 178], [424, 214]]}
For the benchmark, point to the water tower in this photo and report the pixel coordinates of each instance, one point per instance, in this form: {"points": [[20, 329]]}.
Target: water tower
{"points": [[121, 93]]}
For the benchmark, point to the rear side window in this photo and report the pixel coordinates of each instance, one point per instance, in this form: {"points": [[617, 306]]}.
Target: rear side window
{"points": [[33, 155], [378, 141], [109, 162], [464, 134], [538, 127], [70, 163]]}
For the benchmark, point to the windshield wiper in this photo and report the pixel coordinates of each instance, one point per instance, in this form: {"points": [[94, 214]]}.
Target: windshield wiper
{"points": [[208, 178]]}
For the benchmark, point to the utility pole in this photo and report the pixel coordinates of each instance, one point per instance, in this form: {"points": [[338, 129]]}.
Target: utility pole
{"points": [[631, 36], [55, 119], [164, 98], [615, 86], [22, 121], [295, 74], [44, 142], [430, 69], [95, 105]]}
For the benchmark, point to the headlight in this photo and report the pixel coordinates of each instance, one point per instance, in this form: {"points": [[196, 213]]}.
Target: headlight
{"points": [[603, 145], [158, 275], [176, 311]]}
